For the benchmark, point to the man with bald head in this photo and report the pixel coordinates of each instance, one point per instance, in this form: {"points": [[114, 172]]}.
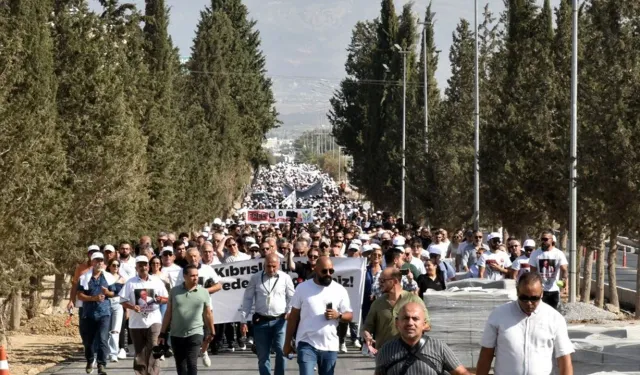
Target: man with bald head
{"points": [[413, 353], [317, 307], [380, 321], [269, 292]]}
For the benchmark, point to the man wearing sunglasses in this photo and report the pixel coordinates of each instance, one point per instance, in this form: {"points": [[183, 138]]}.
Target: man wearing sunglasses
{"points": [[317, 307], [521, 264], [525, 335], [470, 253], [552, 265]]}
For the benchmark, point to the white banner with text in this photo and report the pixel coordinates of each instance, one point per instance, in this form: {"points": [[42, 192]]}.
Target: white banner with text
{"points": [[227, 303]]}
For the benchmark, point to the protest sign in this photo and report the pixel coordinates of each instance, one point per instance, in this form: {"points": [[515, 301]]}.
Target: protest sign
{"points": [[227, 303], [278, 216]]}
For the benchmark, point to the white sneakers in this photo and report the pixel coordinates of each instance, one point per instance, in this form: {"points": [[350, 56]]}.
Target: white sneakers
{"points": [[343, 348], [113, 358], [357, 344], [206, 361], [122, 354]]}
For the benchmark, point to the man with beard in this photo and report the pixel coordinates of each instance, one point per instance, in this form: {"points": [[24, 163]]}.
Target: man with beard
{"points": [[384, 310], [470, 253], [552, 265], [317, 307]]}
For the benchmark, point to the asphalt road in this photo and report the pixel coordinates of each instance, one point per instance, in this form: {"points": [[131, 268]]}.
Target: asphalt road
{"points": [[626, 277]]}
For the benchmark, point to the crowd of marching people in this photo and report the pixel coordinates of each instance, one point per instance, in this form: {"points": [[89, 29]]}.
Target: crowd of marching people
{"points": [[159, 295]]}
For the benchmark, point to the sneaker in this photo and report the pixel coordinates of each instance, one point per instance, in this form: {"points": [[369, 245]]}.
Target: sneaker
{"points": [[206, 361], [231, 348], [250, 340], [113, 358], [122, 354], [168, 353], [242, 346], [161, 358], [357, 344], [343, 348], [89, 368], [101, 370]]}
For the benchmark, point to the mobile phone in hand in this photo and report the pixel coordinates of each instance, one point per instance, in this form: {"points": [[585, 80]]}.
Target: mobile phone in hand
{"points": [[330, 306], [404, 272]]}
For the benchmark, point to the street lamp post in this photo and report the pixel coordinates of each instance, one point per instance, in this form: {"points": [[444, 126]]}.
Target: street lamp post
{"points": [[426, 86], [476, 157], [573, 193], [404, 125]]}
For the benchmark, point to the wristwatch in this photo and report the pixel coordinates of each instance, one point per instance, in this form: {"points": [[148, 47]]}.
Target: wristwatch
{"points": [[340, 317]]}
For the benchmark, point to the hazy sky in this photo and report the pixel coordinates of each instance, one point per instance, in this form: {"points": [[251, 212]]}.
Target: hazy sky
{"points": [[305, 40]]}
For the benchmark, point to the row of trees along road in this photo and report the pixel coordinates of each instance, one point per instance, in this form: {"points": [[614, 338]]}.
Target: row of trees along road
{"points": [[525, 66], [106, 136]]}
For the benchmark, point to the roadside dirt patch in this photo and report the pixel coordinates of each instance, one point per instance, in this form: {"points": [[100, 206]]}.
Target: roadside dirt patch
{"points": [[32, 354]]}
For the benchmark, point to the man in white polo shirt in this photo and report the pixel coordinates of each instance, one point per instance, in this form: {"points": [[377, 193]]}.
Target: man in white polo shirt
{"points": [[552, 265], [143, 295], [525, 335]]}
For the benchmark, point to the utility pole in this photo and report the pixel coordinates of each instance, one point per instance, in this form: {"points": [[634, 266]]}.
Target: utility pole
{"points": [[426, 87], [476, 157], [404, 126], [573, 172]]}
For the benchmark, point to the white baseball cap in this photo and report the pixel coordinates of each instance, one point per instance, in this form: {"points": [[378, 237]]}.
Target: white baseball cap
{"points": [[493, 235], [97, 255], [529, 243], [398, 241], [354, 246], [142, 259], [109, 248], [217, 221], [435, 250], [364, 237], [367, 248], [167, 249], [250, 240], [93, 248]]}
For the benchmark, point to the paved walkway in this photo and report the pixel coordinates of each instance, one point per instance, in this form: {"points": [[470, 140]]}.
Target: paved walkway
{"points": [[237, 363]]}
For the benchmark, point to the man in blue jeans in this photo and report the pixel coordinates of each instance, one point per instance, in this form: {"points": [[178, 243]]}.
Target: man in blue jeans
{"points": [[317, 307], [95, 287], [270, 292]]}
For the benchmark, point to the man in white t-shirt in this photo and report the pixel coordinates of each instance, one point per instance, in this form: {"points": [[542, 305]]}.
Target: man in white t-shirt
{"points": [[145, 319], [317, 307], [439, 246], [525, 335], [495, 266], [521, 264], [552, 265], [169, 268]]}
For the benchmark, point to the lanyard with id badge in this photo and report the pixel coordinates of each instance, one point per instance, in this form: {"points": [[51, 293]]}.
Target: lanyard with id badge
{"points": [[269, 292]]}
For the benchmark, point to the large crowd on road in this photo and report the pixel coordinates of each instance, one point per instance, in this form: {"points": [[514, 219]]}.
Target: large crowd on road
{"points": [[158, 293]]}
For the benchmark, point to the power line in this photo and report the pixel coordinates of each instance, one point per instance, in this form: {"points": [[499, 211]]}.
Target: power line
{"points": [[344, 80]]}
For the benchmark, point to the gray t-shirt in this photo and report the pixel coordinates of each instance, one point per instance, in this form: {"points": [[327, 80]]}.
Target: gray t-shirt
{"points": [[393, 355]]}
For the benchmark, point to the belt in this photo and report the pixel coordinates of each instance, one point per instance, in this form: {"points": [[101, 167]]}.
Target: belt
{"points": [[266, 318]]}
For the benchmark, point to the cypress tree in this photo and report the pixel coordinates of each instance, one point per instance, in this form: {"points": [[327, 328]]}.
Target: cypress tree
{"points": [[32, 158], [160, 119]]}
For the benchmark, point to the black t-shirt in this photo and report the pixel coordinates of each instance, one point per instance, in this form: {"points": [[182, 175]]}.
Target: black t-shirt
{"points": [[425, 282], [181, 262], [425, 242]]}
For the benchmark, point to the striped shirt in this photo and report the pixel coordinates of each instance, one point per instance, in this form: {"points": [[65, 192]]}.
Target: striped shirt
{"points": [[393, 355]]}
